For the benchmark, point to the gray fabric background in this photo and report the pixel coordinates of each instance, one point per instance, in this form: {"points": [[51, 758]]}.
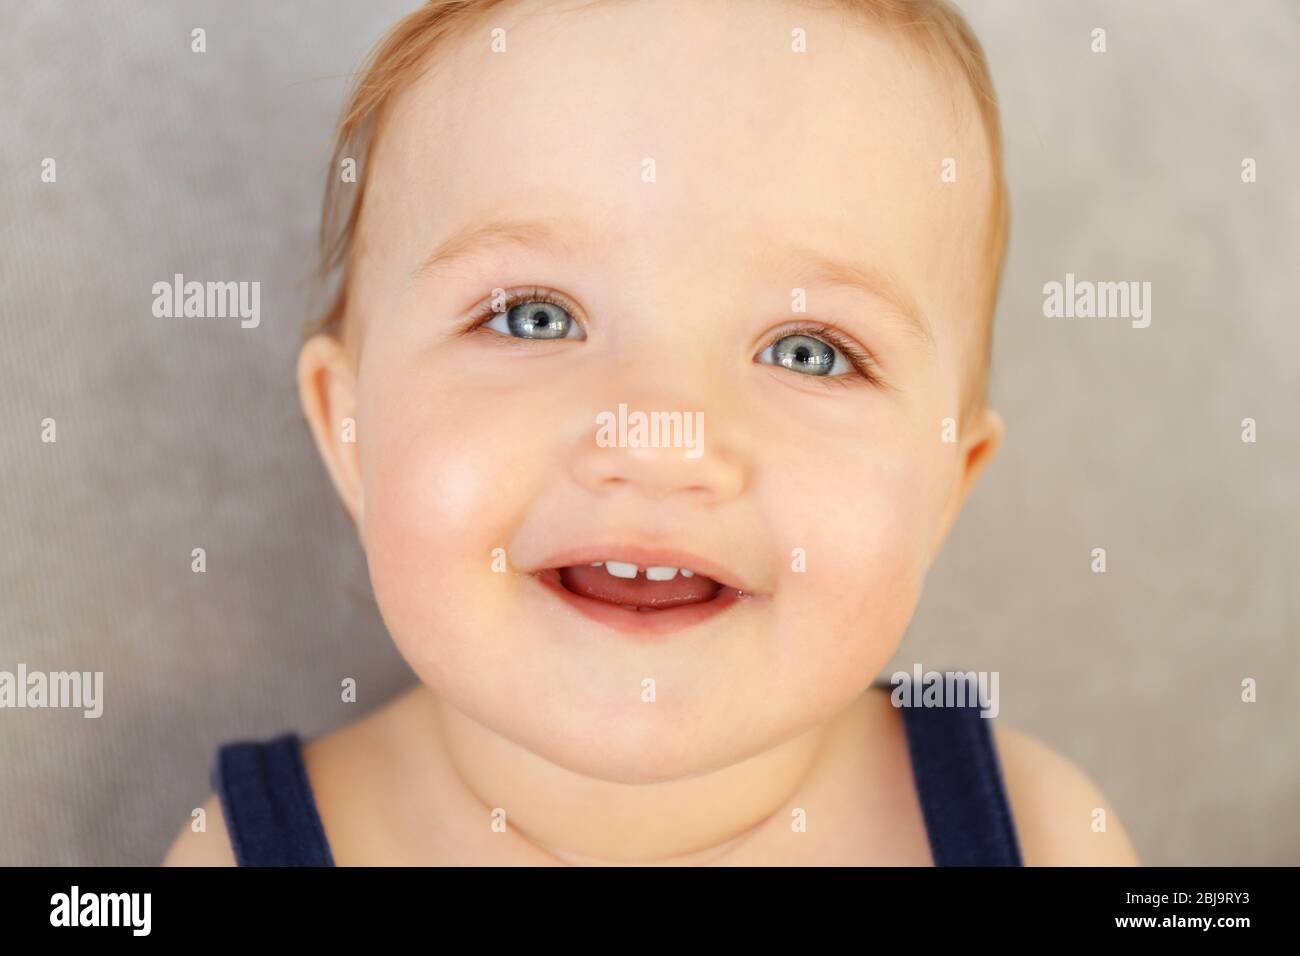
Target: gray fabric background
{"points": [[181, 434]]}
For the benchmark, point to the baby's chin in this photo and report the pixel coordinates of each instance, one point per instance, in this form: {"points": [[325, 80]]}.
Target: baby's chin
{"points": [[630, 714], [611, 740]]}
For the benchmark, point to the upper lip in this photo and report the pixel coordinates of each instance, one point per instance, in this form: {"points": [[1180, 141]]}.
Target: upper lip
{"points": [[647, 557]]}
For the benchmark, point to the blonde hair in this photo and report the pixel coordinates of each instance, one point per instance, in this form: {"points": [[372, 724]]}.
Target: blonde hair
{"points": [[405, 52]]}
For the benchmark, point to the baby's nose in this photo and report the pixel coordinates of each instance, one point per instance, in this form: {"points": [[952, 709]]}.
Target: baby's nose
{"points": [[657, 451]]}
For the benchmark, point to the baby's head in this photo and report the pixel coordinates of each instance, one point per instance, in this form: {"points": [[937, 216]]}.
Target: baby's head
{"points": [[784, 223]]}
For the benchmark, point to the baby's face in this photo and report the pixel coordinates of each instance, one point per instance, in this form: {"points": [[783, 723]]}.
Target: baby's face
{"points": [[654, 188]]}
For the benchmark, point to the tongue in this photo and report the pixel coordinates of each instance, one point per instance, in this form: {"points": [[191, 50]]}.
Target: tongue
{"points": [[599, 585]]}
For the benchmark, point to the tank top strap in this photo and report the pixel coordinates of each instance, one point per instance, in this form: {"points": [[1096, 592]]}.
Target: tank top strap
{"points": [[267, 803], [959, 783]]}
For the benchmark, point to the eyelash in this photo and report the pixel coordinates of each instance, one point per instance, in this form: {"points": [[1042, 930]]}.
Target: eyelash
{"points": [[512, 297], [864, 363]]}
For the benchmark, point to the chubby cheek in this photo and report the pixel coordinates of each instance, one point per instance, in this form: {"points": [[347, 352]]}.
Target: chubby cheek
{"points": [[436, 506], [864, 525]]}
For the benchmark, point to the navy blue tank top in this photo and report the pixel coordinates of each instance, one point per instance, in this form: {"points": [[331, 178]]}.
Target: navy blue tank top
{"points": [[271, 814]]}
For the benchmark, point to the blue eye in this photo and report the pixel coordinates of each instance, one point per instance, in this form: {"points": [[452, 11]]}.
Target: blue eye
{"points": [[806, 354], [534, 316]]}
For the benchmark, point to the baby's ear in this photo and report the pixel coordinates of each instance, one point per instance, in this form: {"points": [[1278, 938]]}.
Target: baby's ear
{"points": [[980, 439], [327, 390]]}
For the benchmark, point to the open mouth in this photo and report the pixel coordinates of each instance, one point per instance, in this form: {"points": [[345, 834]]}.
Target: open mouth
{"points": [[634, 596], [638, 589]]}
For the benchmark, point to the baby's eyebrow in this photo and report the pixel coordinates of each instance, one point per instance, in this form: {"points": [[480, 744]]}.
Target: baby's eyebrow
{"points": [[810, 268], [547, 234]]}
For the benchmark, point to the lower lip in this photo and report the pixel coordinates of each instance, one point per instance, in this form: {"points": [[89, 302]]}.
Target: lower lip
{"points": [[642, 622]]}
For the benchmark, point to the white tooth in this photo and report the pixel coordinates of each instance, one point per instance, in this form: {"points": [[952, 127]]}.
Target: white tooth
{"points": [[621, 569], [660, 574], [596, 564], [687, 573]]}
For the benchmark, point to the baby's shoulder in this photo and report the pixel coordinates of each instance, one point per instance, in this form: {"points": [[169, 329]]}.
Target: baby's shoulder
{"points": [[1062, 818], [333, 763]]}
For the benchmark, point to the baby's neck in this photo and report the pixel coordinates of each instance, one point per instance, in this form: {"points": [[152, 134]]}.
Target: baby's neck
{"points": [[457, 789]]}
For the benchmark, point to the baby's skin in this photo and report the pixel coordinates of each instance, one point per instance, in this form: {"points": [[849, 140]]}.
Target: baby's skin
{"points": [[666, 177]]}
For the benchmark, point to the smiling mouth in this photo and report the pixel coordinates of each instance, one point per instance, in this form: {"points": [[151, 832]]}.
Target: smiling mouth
{"points": [[636, 588], [629, 596]]}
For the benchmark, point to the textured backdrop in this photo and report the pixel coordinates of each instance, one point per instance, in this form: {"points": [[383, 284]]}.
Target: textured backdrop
{"points": [[1123, 165]]}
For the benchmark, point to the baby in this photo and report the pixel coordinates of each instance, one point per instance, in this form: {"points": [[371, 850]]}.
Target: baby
{"points": [[653, 386]]}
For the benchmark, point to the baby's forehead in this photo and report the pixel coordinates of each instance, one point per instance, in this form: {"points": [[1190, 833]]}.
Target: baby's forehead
{"points": [[712, 138]]}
